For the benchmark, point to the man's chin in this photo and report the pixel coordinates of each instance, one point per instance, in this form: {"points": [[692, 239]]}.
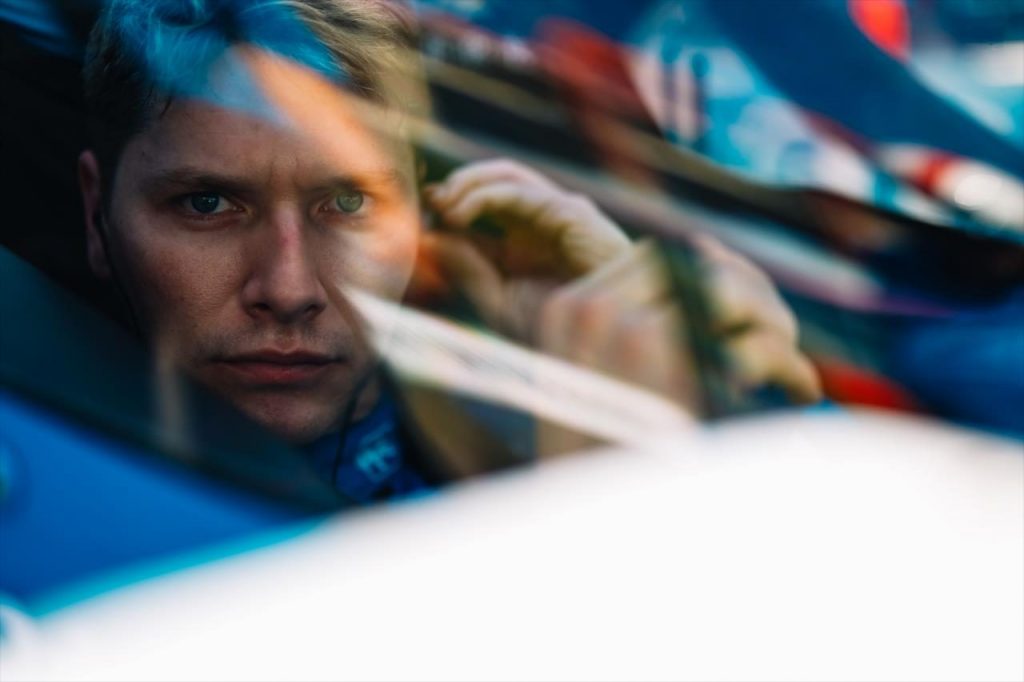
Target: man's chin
{"points": [[293, 423]]}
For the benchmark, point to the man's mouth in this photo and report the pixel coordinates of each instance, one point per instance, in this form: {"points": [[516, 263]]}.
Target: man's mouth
{"points": [[280, 368]]}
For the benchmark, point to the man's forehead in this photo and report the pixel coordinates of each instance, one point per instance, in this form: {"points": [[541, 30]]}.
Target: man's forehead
{"points": [[298, 127]]}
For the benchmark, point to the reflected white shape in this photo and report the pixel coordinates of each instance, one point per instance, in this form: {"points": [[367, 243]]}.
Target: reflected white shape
{"points": [[992, 195], [428, 349], [830, 546], [999, 64], [975, 189]]}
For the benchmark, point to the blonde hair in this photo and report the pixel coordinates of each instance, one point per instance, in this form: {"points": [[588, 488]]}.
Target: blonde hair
{"points": [[144, 53]]}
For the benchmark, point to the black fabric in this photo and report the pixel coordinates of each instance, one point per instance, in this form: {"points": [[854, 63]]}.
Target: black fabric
{"points": [[42, 132]]}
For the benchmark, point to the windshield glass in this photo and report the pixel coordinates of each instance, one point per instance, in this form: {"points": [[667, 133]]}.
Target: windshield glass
{"points": [[398, 244]]}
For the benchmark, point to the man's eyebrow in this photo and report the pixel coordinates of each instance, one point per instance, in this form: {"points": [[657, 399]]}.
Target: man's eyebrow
{"points": [[372, 177], [190, 177]]}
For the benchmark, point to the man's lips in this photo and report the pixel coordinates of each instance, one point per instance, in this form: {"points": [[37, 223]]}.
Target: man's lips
{"points": [[273, 367]]}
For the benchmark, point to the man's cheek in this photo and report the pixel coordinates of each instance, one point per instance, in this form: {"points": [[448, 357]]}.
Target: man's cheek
{"points": [[384, 266], [398, 269], [178, 285]]}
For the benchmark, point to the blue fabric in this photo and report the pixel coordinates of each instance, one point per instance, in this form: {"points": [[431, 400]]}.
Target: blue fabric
{"points": [[75, 505], [812, 51], [41, 24], [969, 368], [372, 465]]}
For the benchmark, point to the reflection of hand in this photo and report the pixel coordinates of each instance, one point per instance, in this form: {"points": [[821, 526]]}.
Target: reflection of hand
{"points": [[621, 318], [548, 232], [548, 237], [565, 278], [758, 328]]}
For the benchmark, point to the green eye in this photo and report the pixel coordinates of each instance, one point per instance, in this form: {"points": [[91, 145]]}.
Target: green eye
{"points": [[349, 201], [205, 202]]}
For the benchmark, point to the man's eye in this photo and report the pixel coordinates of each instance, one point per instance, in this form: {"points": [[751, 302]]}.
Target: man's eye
{"points": [[349, 201], [208, 203]]}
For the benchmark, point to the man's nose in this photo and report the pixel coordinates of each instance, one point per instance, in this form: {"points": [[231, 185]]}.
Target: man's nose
{"points": [[284, 284]]}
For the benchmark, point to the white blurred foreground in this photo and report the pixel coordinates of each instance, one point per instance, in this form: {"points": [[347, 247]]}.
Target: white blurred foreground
{"points": [[802, 547]]}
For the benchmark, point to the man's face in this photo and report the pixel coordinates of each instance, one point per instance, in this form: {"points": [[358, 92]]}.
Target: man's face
{"points": [[234, 234]]}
